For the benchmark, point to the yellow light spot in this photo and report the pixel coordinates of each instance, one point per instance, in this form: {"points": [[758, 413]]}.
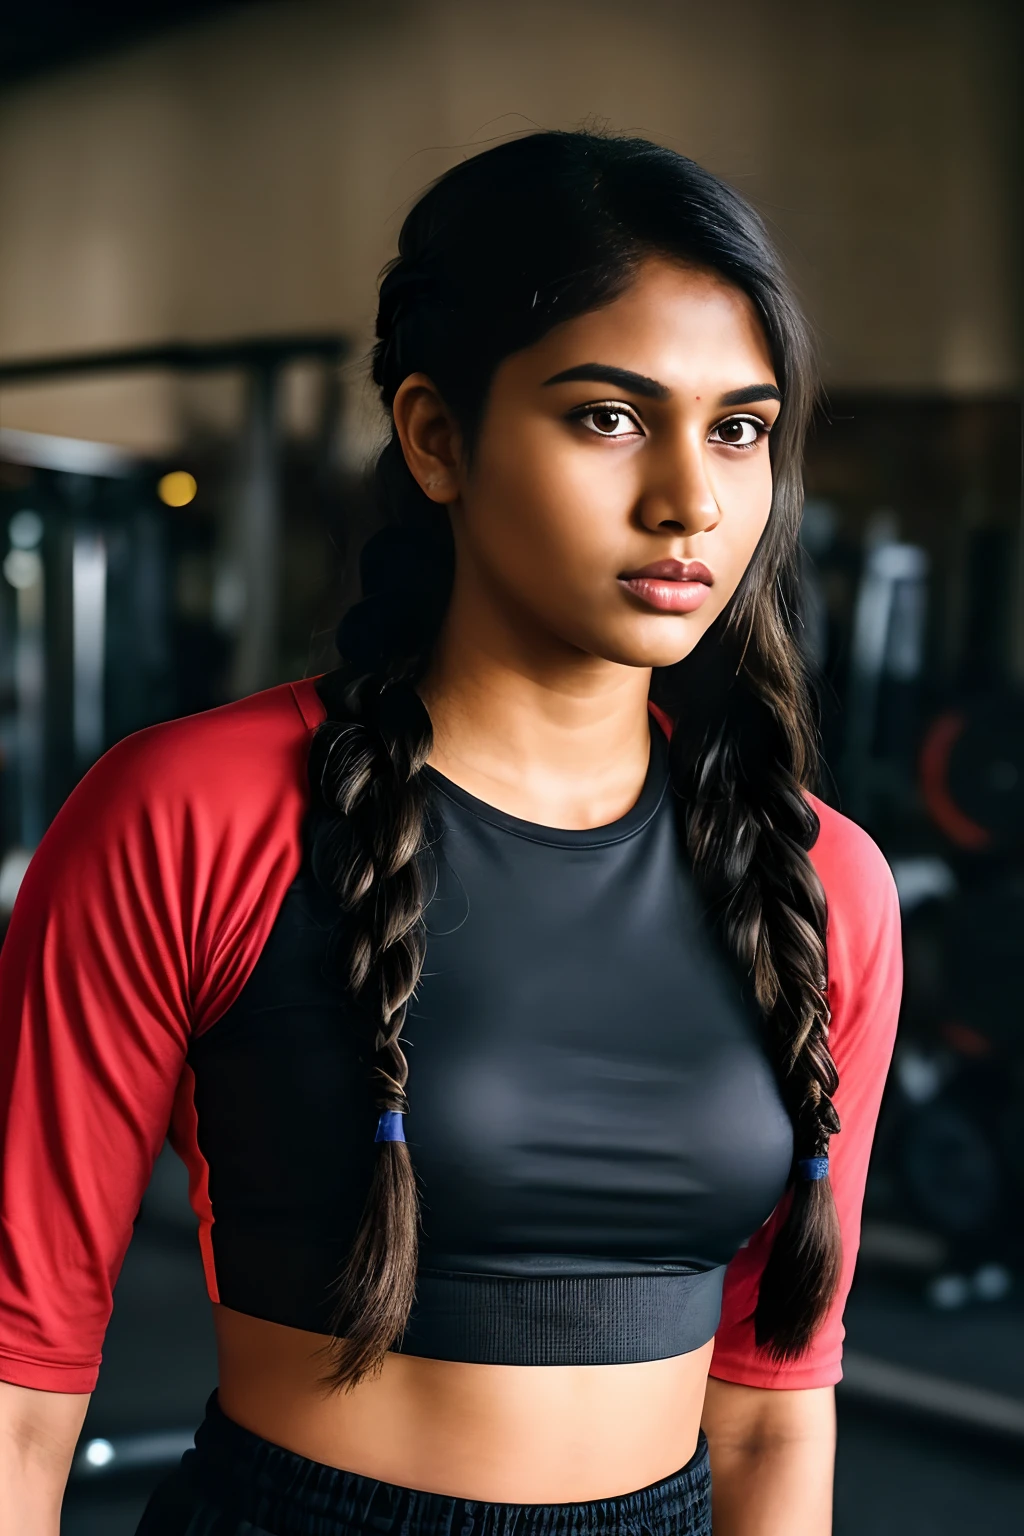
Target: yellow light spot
{"points": [[177, 489]]}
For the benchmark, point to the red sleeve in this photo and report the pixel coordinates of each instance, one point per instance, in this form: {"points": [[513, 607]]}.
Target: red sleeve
{"points": [[865, 982], [140, 916]]}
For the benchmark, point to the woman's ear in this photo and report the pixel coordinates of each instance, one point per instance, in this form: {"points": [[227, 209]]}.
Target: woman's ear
{"points": [[430, 440]]}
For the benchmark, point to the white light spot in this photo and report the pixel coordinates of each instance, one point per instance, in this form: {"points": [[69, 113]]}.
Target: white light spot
{"points": [[99, 1453]]}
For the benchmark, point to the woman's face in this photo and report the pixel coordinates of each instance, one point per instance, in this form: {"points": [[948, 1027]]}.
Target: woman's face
{"points": [[621, 480]]}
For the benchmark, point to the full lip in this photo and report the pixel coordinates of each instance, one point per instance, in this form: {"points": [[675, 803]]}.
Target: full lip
{"points": [[671, 570]]}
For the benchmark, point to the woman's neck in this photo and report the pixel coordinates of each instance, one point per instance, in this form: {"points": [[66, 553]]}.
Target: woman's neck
{"points": [[533, 726]]}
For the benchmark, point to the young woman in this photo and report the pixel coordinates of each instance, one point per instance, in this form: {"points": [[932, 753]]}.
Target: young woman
{"points": [[505, 989]]}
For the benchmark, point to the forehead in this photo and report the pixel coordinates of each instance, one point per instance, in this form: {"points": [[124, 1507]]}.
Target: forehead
{"points": [[685, 326]]}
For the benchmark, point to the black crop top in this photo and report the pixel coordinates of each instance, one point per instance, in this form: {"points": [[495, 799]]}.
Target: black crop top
{"points": [[594, 1125]]}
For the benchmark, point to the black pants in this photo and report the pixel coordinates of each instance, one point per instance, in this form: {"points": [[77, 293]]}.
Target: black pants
{"points": [[236, 1484]]}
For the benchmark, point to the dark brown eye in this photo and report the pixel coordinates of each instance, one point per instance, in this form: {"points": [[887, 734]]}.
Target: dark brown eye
{"points": [[609, 421], [606, 421], [738, 431]]}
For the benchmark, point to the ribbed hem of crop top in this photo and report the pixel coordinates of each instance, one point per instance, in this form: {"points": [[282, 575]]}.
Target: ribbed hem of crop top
{"points": [[143, 934]]}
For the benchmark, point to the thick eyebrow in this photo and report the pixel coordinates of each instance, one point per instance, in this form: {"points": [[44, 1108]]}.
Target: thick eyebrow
{"points": [[603, 373], [640, 384], [751, 393]]}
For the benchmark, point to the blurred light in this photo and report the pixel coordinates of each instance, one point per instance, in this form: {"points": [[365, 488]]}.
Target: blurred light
{"points": [[177, 489], [948, 1292], [899, 562], [918, 1075], [12, 872], [88, 631], [131, 1453], [23, 568], [68, 455], [99, 1453], [992, 1282], [25, 529], [920, 879]]}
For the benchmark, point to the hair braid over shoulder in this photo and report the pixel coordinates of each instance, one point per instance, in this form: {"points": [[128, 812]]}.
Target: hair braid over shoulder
{"points": [[369, 826], [740, 765]]}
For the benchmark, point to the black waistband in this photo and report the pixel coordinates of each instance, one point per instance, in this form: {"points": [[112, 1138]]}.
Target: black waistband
{"points": [[249, 1479], [562, 1319]]}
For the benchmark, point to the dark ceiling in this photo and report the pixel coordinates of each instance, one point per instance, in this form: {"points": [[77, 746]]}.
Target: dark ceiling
{"points": [[39, 35]]}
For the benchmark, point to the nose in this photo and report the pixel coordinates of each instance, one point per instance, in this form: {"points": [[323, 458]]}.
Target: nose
{"points": [[679, 496]]}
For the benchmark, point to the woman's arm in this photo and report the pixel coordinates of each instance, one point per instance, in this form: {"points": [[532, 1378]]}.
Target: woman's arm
{"points": [[38, 1435], [771, 1425], [772, 1459]]}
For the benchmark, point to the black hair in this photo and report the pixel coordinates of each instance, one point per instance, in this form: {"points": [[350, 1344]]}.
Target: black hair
{"points": [[498, 251]]}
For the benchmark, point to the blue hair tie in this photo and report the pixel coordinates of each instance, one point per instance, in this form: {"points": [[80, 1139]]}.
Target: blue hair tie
{"points": [[389, 1126], [812, 1168]]}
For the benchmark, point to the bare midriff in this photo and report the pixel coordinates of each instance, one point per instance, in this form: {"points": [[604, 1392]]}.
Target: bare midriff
{"points": [[509, 1434]]}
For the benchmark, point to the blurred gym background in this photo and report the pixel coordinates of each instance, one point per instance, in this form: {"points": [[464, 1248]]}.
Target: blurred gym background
{"points": [[195, 200]]}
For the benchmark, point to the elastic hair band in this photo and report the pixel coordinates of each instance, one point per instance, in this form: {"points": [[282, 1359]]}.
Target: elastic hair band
{"points": [[812, 1168], [390, 1127]]}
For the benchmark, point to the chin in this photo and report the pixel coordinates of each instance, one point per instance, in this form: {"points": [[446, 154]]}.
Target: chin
{"points": [[639, 651], [657, 643]]}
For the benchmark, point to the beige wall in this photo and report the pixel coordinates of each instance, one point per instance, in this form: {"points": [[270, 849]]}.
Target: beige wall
{"points": [[249, 173]]}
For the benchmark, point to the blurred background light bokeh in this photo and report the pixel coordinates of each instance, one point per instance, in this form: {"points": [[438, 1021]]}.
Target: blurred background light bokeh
{"points": [[177, 488], [195, 201]]}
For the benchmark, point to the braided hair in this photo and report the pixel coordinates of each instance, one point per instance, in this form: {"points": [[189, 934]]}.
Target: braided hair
{"points": [[497, 252]]}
